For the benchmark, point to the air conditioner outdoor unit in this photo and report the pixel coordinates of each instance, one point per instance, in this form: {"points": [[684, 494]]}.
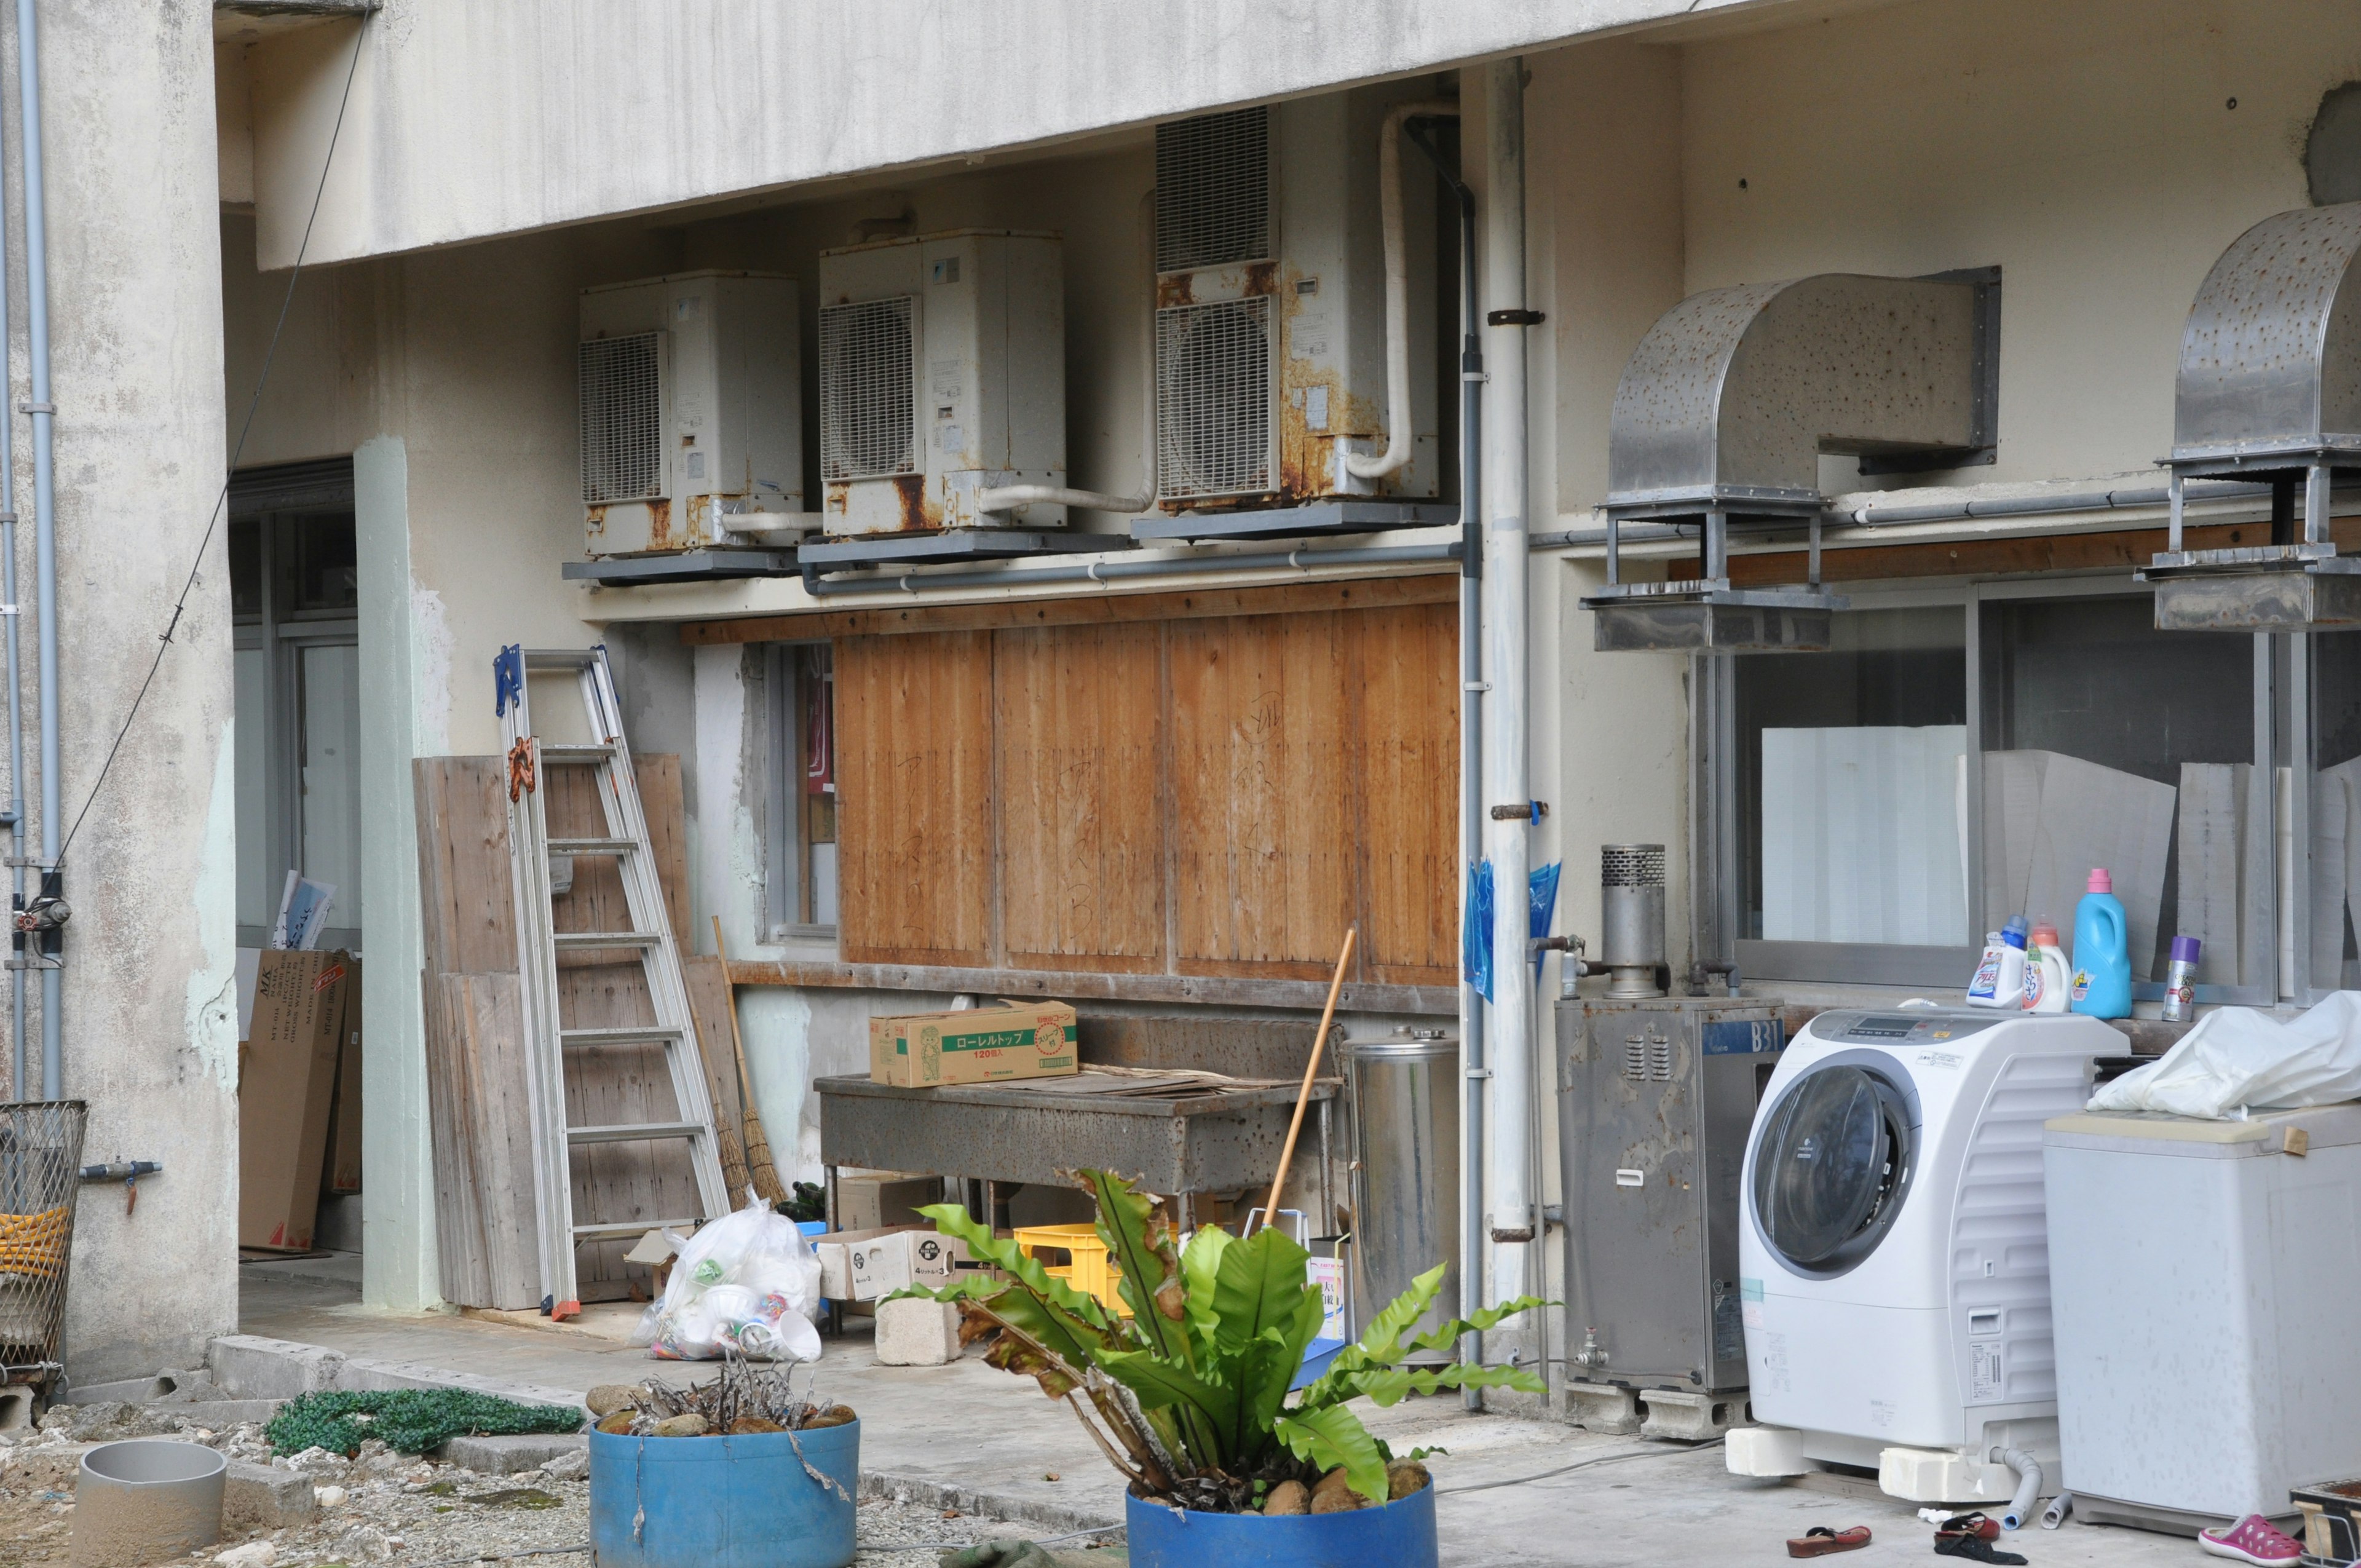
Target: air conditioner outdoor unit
{"points": [[692, 412], [942, 374], [1271, 310]]}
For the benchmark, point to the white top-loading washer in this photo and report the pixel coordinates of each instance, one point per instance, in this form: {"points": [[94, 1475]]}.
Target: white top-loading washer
{"points": [[1893, 1261]]}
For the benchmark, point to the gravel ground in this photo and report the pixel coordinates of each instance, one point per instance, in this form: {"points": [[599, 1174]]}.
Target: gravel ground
{"points": [[399, 1511]]}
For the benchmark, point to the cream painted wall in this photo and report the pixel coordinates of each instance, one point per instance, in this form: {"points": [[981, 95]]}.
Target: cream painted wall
{"points": [[2087, 148]]}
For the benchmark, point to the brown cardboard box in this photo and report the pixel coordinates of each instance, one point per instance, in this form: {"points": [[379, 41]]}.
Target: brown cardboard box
{"points": [[340, 1171], [974, 1044], [288, 1073], [878, 1199]]}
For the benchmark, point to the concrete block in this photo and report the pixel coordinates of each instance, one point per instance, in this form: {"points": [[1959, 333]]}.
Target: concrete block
{"points": [[1689, 1417], [248, 1367], [1766, 1451], [512, 1455], [131, 1390], [1942, 1475], [263, 1497], [915, 1331], [1602, 1407], [16, 1408]]}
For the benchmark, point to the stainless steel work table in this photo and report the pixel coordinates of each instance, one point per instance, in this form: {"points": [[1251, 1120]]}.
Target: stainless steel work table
{"points": [[1180, 1141]]}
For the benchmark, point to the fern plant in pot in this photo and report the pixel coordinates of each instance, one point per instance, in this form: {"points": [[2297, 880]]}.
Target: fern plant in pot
{"points": [[1189, 1397]]}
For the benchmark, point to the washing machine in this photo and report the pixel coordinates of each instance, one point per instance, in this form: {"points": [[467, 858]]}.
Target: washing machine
{"points": [[1894, 1269]]}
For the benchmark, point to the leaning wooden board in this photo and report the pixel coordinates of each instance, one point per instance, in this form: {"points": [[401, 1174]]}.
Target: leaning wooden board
{"points": [[469, 920]]}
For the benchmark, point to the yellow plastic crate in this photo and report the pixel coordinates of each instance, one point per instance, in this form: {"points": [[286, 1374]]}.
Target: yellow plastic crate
{"points": [[1090, 1272]]}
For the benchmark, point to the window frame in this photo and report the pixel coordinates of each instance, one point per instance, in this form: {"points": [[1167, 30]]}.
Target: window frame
{"points": [[2281, 726], [783, 886]]}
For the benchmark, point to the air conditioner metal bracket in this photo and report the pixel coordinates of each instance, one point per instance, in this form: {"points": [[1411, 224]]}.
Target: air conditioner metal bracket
{"points": [[1706, 614]]}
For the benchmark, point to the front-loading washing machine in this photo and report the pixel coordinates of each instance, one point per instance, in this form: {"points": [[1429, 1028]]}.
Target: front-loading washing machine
{"points": [[1893, 1268]]}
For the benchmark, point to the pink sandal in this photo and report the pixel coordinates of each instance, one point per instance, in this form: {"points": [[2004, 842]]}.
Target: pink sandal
{"points": [[2252, 1539]]}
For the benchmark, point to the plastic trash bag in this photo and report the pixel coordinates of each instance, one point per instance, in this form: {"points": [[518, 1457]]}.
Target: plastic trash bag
{"points": [[2238, 1059], [746, 1283]]}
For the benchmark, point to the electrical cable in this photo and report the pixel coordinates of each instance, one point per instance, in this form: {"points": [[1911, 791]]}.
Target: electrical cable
{"points": [[164, 640], [1580, 1465]]}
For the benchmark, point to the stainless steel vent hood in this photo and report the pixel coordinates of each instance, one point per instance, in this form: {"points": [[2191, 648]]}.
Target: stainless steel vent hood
{"points": [[1727, 405], [2270, 389]]}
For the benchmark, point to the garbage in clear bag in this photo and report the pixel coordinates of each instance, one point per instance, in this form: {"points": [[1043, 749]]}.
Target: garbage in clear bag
{"points": [[2238, 1059], [746, 1284]]}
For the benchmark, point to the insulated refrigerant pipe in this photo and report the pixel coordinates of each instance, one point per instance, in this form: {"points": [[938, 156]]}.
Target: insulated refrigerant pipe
{"points": [[1102, 569], [1390, 207], [1471, 749], [1513, 1212], [45, 539]]}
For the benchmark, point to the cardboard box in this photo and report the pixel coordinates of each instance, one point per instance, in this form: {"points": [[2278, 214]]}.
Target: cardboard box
{"points": [[861, 1266], [286, 1080], [881, 1199], [340, 1170], [974, 1044]]}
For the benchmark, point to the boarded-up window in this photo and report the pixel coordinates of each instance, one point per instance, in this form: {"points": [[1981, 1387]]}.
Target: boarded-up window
{"points": [[1215, 797]]}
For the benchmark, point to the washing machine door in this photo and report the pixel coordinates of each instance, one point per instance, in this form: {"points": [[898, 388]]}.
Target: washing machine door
{"points": [[1832, 1163]]}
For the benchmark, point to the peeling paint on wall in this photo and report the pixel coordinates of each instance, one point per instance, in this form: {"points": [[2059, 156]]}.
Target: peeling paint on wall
{"points": [[429, 655], [211, 1015]]}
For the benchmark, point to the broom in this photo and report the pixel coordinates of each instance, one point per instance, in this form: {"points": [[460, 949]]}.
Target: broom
{"points": [[765, 1174]]}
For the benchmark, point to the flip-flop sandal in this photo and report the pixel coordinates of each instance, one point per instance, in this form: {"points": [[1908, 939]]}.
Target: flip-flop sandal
{"points": [[1983, 1526], [1973, 1545], [1819, 1540]]}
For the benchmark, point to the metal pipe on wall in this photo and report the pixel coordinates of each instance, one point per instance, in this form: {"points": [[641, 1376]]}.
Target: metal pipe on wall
{"points": [[15, 808], [45, 541], [1513, 1215]]}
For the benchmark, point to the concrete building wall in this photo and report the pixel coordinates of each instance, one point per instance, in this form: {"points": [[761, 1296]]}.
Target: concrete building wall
{"points": [[149, 1006]]}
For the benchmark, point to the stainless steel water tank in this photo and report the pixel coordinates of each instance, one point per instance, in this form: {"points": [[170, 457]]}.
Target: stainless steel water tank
{"points": [[1402, 1093]]}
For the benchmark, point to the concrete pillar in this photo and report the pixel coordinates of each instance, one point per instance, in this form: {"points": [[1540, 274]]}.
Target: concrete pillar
{"points": [[149, 1005]]}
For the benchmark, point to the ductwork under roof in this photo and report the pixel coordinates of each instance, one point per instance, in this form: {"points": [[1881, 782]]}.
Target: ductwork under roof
{"points": [[1728, 404], [2270, 389]]}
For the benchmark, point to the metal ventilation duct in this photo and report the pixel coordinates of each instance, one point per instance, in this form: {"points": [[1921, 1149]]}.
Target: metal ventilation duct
{"points": [[2270, 389], [1727, 405], [1734, 393]]}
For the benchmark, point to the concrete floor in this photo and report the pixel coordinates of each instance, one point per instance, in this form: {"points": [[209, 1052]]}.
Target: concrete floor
{"points": [[972, 1428]]}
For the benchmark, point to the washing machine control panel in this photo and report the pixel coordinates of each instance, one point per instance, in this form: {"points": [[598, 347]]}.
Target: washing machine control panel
{"points": [[1903, 1029]]}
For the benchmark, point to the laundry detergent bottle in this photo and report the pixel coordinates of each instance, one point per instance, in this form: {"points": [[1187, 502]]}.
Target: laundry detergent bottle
{"points": [[2048, 975], [1999, 978], [2102, 964]]}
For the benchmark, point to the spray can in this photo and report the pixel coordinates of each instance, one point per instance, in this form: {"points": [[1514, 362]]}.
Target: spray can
{"points": [[2181, 979]]}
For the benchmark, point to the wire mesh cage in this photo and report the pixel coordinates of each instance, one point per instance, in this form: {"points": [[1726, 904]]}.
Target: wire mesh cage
{"points": [[40, 1162]]}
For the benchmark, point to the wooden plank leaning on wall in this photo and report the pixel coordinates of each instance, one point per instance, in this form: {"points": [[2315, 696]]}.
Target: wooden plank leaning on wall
{"points": [[1162, 796]]}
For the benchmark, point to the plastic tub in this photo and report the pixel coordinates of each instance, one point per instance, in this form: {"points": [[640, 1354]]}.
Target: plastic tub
{"points": [[1400, 1535], [148, 1501], [724, 1502], [1090, 1272]]}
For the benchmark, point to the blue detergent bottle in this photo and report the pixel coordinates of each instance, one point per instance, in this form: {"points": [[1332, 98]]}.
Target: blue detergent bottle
{"points": [[2102, 963]]}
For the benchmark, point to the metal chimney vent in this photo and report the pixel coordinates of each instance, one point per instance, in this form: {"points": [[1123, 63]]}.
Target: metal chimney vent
{"points": [[1722, 415], [1631, 917], [623, 417], [2269, 390]]}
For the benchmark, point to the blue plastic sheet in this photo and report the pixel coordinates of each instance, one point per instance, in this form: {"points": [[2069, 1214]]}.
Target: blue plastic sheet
{"points": [[1475, 940]]}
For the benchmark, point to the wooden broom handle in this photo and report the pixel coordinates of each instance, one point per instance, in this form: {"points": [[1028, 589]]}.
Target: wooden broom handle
{"points": [[1310, 1071]]}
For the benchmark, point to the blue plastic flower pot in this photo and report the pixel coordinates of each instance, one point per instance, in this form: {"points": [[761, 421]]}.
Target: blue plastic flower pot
{"points": [[1400, 1535], [725, 1502], [1317, 1355]]}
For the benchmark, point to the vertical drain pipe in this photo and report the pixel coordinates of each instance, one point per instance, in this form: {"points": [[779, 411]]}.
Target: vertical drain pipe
{"points": [[45, 541], [16, 1084], [1512, 1211], [1471, 748]]}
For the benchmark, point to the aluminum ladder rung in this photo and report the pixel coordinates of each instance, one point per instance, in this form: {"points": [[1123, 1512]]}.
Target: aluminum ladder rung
{"points": [[634, 1132], [594, 846], [614, 1230], [560, 658], [575, 754], [630, 1035], [566, 940]]}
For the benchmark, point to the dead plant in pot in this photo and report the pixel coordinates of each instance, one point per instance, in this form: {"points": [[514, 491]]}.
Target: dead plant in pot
{"points": [[1189, 1396]]}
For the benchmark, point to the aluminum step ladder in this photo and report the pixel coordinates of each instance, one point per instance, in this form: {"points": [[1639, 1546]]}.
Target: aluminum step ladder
{"points": [[547, 1042]]}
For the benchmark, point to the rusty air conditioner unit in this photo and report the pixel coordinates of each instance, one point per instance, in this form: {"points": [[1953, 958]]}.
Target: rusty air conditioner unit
{"points": [[2269, 390], [691, 412], [1722, 415], [942, 376]]}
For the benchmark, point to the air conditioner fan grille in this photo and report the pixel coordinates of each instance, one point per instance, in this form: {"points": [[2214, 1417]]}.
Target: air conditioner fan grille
{"points": [[1213, 191], [623, 417], [867, 417], [1213, 394]]}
